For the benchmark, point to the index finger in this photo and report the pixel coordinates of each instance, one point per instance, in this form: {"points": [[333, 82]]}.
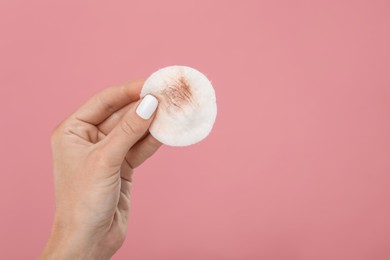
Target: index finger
{"points": [[102, 105]]}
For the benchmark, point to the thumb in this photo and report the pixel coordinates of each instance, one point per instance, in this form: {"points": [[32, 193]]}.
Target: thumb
{"points": [[129, 130]]}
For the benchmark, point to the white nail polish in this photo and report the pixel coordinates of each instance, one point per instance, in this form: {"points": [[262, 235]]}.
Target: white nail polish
{"points": [[147, 107]]}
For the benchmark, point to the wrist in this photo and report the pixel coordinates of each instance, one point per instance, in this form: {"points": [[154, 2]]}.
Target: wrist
{"points": [[67, 243]]}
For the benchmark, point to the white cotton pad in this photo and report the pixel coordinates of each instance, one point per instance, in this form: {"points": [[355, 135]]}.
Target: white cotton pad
{"points": [[187, 105]]}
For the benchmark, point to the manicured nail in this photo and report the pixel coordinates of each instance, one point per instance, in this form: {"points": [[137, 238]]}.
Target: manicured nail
{"points": [[147, 107]]}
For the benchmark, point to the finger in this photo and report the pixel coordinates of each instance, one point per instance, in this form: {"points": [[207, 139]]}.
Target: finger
{"points": [[126, 172], [106, 102], [124, 196], [107, 125], [129, 130], [142, 151]]}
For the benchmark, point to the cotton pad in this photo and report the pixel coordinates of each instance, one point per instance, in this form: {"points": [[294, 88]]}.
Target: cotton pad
{"points": [[187, 105]]}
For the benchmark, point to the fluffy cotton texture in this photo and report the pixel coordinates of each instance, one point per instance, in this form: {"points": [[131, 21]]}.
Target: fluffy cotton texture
{"points": [[187, 105]]}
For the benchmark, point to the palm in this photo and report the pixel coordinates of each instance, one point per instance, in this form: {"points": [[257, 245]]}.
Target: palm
{"points": [[116, 208]]}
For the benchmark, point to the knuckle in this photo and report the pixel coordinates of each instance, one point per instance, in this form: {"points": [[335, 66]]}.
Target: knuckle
{"points": [[54, 135], [107, 106], [131, 128]]}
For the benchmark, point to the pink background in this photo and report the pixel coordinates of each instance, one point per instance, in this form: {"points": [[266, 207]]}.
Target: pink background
{"points": [[297, 166]]}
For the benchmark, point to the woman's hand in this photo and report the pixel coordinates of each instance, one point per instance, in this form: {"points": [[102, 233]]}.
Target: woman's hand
{"points": [[94, 153]]}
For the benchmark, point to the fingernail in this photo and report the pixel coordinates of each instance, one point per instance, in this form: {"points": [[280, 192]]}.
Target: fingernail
{"points": [[147, 107]]}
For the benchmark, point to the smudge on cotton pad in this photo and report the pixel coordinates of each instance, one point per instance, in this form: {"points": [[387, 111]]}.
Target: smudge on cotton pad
{"points": [[187, 105]]}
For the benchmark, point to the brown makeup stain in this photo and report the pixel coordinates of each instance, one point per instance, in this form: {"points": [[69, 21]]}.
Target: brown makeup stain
{"points": [[178, 93]]}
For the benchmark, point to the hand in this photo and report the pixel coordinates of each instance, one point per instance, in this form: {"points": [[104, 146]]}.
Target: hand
{"points": [[94, 153]]}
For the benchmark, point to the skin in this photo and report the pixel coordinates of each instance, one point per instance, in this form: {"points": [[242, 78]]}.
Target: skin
{"points": [[95, 151]]}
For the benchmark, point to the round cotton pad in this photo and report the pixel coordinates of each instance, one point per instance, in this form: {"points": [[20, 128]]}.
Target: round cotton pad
{"points": [[187, 105]]}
